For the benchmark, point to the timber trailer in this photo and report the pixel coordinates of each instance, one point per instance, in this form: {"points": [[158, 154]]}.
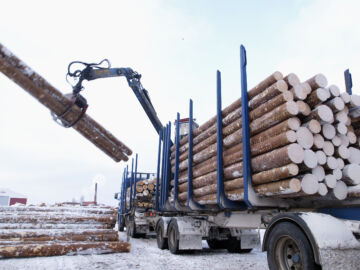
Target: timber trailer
{"points": [[321, 235], [138, 221]]}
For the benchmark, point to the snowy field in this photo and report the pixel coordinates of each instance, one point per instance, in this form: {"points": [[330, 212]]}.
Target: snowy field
{"points": [[145, 255]]}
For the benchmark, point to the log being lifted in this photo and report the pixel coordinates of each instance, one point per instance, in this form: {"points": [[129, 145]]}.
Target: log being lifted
{"points": [[54, 100], [65, 248]]}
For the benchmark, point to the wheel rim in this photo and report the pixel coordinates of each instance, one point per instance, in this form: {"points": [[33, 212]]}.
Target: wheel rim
{"points": [[287, 254], [172, 237]]}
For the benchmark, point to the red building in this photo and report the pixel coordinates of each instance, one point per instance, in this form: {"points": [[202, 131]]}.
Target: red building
{"points": [[9, 197]]}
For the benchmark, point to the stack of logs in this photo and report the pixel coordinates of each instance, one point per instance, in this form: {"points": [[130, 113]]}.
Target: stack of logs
{"points": [[304, 142], [145, 193], [52, 231]]}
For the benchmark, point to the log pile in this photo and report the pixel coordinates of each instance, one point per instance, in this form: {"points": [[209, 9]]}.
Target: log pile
{"points": [[52, 231], [304, 143], [56, 102], [145, 193]]}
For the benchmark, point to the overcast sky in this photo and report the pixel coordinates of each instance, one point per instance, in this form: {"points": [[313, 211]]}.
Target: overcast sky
{"points": [[177, 46]]}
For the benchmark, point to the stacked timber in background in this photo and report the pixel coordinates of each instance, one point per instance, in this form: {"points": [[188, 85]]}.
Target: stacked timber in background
{"points": [[56, 102], [52, 231], [144, 193], [304, 143]]}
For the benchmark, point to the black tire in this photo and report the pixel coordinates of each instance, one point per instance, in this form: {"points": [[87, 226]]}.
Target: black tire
{"points": [[234, 246], [216, 244], [162, 242], [173, 237], [288, 248]]}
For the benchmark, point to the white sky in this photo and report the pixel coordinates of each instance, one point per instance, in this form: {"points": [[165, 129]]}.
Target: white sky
{"points": [[177, 47]]}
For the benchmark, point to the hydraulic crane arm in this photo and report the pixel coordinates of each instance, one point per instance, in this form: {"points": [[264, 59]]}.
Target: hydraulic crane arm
{"points": [[95, 71]]}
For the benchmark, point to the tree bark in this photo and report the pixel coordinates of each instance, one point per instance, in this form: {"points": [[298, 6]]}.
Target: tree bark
{"points": [[54, 100]]}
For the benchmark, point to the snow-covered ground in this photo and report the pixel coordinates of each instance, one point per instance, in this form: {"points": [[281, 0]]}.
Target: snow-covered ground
{"points": [[145, 255]]}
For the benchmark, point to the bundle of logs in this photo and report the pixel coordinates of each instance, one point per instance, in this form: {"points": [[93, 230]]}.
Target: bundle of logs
{"points": [[145, 193], [61, 105], [304, 143], [52, 231]]}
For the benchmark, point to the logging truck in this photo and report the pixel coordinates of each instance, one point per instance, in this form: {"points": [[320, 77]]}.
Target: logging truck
{"points": [[136, 210], [299, 181]]}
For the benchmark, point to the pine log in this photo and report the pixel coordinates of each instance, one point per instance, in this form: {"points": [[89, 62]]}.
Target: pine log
{"points": [[336, 104], [354, 157], [344, 140], [331, 163], [342, 152], [328, 131], [313, 125], [310, 159], [341, 116], [334, 90], [317, 81], [263, 177], [328, 148], [316, 97], [354, 191], [270, 80], [330, 180], [345, 97], [318, 142], [321, 157], [54, 100], [341, 128], [336, 141], [304, 137], [309, 184], [56, 249], [337, 173], [322, 113], [270, 92], [304, 109], [323, 190], [351, 174], [319, 173], [340, 190], [341, 163], [352, 137], [283, 187], [292, 153], [289, 124], [298, 92], [354, 101], [291, 79], [58, 219]]}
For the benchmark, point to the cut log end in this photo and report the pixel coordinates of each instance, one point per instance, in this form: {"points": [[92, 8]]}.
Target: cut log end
{"points": [[304, 137], [310, 159], [340, 190], [296, 153], [309, 184]]}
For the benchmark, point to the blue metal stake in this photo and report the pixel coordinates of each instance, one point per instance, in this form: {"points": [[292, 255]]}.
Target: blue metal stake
{"points": [[168, 165], [191, 204], [176, 176], [348, 81], [158, 174], [222, 200], [136, 162], [163, 170], [131, 182], [245, 126]]}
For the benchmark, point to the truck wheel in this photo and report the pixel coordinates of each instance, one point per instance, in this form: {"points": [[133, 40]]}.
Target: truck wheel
{"points": [[216, 244], [288, 248], [234, 246], [173, 237], [162, 242]]}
